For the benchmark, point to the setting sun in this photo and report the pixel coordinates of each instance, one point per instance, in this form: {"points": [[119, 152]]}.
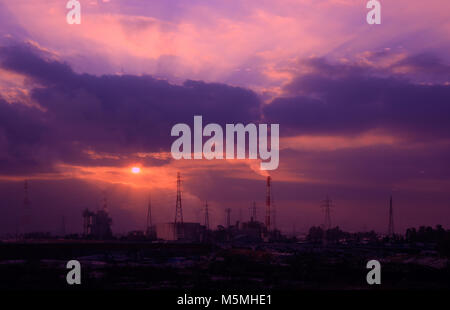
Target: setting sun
{"points": [[136, 170]]}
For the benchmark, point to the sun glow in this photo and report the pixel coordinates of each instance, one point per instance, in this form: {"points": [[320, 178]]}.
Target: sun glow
{"points": [[135, 170]]}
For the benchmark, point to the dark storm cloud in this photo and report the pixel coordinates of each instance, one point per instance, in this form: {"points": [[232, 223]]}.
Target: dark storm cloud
{"points": [[108, 114], [425, 64], [21, 133], [122, 115], [351, 99]]}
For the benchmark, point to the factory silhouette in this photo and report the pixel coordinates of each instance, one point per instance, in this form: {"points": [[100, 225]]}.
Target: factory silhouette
{"points": [[97, 225], [249, 254]]}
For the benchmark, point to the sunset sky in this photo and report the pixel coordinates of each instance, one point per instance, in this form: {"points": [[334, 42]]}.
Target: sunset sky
{"points": [[364, 110]]}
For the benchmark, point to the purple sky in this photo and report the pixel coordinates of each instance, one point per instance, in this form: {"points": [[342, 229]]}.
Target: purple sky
{"points": [[363, 109]]}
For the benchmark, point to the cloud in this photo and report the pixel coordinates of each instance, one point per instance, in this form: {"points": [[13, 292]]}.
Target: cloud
{"points": [[121, 115], [351, 99], [346, 127], [365, 116]]}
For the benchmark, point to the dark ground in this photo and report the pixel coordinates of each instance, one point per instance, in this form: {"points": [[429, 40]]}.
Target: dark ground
{"points": [[162, 266]]}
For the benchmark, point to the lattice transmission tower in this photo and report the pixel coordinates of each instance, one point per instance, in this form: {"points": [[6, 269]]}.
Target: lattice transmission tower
{"points": [[327, 204], [206, 216], [178, 207], [149, 225], [391, 231], [268, 202]]}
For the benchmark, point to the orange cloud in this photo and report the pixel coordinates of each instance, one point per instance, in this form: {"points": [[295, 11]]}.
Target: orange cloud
{"points": [[332, 143]]}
